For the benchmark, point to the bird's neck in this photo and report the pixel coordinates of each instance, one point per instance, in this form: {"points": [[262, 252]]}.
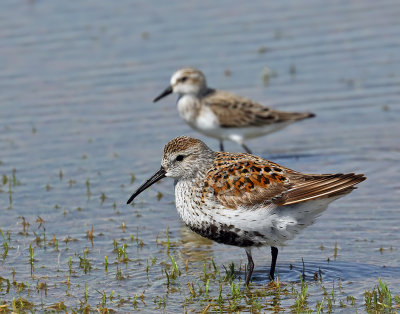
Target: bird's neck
{"points": [[190, 104], [200, 168], [189, 107], [199, 92], [188, 198], [206, 92]]}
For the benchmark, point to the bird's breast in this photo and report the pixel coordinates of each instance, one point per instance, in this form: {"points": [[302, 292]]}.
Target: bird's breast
{"points": [[197, 115], [209, 220], [188, 108], [188, 203]]}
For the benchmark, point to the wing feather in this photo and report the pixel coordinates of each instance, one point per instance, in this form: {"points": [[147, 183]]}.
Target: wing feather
{"points": [[244, 180], [339, 182], [236, 111]]}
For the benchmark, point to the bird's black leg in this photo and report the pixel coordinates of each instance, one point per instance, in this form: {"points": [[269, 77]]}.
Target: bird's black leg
{"points": [[221, 145], [250, 267], [246, 148], [274, 254]]}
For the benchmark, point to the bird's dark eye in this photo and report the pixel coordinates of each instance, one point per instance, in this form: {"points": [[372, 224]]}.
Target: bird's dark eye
{"points": [[179, 157], [183, 79]]}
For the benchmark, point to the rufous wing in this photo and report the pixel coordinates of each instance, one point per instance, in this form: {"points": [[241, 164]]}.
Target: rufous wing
{"points": [[244, 180]]}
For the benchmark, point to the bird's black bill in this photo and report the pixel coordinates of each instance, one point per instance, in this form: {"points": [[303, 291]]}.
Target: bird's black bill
{"points": [[156, 177], [166, 92]]}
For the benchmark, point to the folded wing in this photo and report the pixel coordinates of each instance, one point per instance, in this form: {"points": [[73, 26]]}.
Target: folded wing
{"points": [[245, 180], [236, 111]]}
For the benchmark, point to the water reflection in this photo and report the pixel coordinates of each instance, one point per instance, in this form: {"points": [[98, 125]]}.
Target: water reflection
{"points": [[325, 271], [195, 248]]}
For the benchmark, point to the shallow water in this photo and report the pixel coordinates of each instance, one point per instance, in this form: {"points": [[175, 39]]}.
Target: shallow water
{"points": [[76, 87]]}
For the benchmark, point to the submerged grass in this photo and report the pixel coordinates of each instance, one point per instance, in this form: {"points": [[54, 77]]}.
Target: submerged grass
{"points": [[196, 286], [173, 277]]}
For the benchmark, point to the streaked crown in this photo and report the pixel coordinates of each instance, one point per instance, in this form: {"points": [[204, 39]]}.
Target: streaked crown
{"points": [[184, 156]]}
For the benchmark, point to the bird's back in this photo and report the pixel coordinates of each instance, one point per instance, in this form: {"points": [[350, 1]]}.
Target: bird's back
{"points": [[234, 111], [261, 201]]}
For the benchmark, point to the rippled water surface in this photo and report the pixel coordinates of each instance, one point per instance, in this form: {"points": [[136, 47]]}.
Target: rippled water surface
{"points": [[79, 128]]}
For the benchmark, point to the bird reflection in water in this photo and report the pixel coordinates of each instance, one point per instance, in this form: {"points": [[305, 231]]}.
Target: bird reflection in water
{"points": [[195, 248]]}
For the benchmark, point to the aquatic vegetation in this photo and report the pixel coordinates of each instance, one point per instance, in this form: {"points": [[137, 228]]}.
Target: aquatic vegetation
{"points": [[88, 193], [9, 195], [5, 245], [201, 286], [133, 178], [380, 299], [84, 262], [300, 304], [90, 235], [103, 197]]}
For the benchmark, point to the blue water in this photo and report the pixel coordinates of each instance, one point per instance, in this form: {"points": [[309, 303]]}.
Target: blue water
{"points": [[77, 81]]}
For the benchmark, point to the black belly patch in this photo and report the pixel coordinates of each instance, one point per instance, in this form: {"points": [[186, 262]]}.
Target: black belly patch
{"points": [[225, 234]]}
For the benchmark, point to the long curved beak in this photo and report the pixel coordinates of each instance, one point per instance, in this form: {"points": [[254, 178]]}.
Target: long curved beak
{"points": [[166, 92], [155, 177]]}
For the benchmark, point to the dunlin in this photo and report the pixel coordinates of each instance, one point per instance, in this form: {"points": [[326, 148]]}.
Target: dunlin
{"points": [[223, 115], [244, 200]]}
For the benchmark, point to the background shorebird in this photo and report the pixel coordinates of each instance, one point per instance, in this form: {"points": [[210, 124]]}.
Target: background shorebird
{"points": [[243, 200], [222, 115]]}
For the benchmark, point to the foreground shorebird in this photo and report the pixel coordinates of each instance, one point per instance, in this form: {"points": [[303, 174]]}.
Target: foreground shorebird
{"points": [[223, 115], [243, 200]]}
